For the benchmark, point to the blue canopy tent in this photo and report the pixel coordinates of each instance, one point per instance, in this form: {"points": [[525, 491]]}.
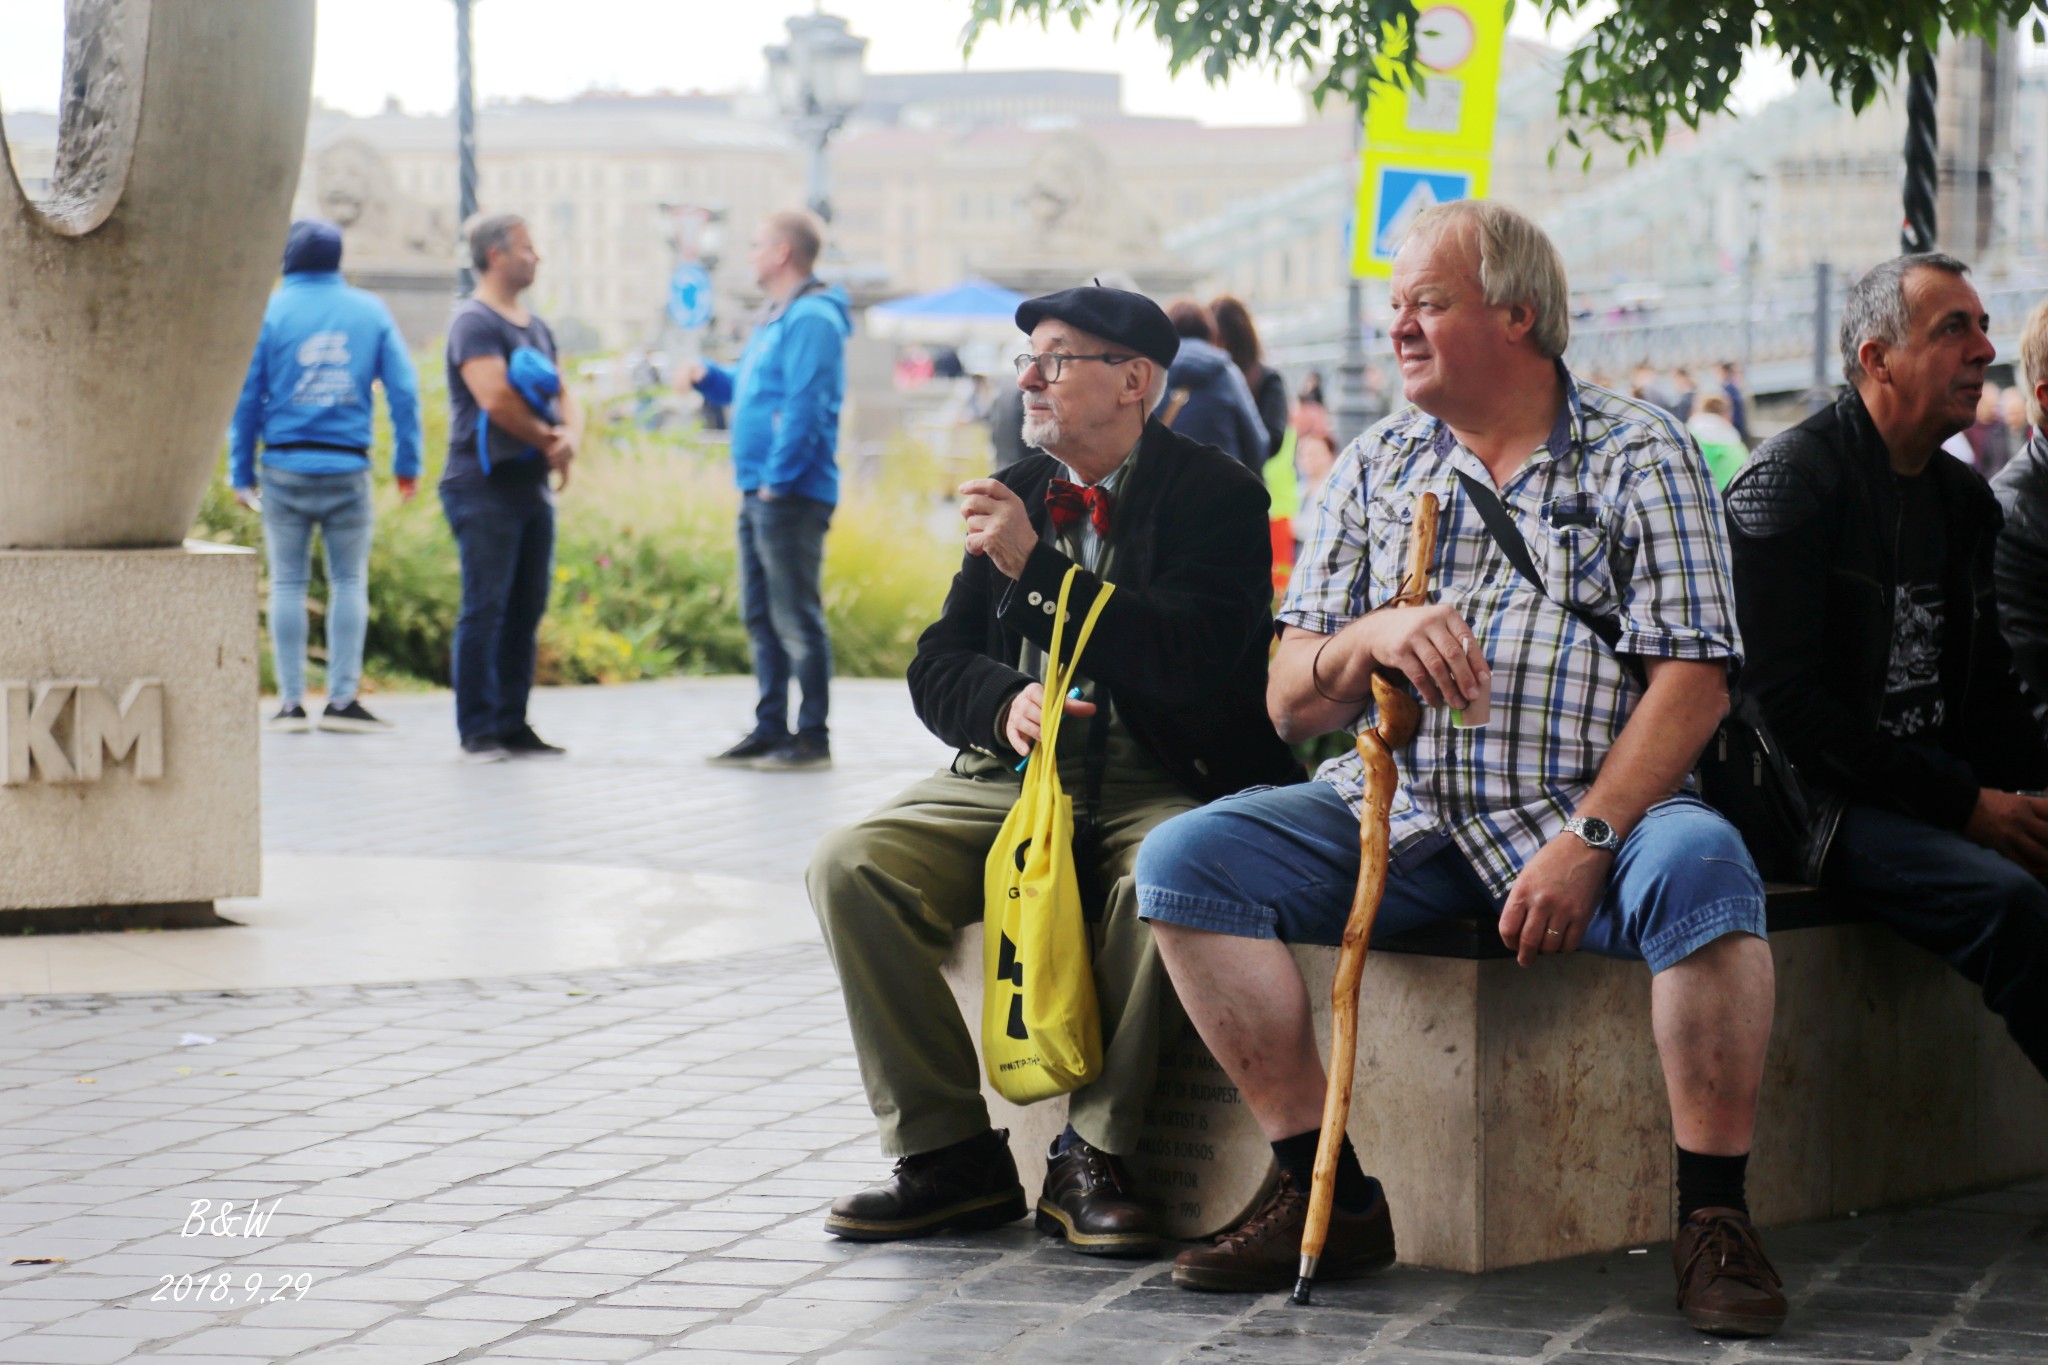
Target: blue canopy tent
{"points": [[971, 311]]}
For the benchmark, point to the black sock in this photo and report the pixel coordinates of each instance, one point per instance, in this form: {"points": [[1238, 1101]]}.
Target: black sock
{"points": [[1710, 1182], [1356, 1191]]}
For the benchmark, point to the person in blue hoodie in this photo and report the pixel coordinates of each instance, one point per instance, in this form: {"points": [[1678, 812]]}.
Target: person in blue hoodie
{"points": [[307, 402], [1219, 409], [785, 396]]}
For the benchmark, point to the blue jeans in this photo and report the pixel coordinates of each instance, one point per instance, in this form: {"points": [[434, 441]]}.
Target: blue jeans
{"points": [[1282, 863], [506, 537], [339, 505], [782, 559], [1983, 915]]}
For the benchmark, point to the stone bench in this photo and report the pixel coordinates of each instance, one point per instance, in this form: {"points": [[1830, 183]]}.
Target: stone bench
{"points": [[1519, 1115]]}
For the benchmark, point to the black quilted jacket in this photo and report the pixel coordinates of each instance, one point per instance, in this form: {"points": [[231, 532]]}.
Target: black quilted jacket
{"points": [[1182, 643], [2022, 564], [1812, 518]]}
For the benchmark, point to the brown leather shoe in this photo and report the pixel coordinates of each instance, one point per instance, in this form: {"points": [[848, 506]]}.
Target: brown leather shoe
{"points": [[1265, 1252], [1726, 1285], [1089, 1204], [969, 1185]]}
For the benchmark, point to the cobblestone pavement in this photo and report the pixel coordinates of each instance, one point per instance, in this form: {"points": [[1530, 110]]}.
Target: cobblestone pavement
{"points": [[634, 791], [631, 1165]]}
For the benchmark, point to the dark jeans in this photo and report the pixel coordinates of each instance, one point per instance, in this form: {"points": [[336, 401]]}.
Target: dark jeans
{"points": [[1983, 915], [782, 556], [506, 537]]}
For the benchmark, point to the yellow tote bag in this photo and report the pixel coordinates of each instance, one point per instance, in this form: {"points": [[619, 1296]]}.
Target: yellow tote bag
{"points": [[1041, 1034]]}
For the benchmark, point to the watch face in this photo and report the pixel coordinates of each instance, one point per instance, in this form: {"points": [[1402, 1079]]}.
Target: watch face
{"points": [[1596, 832]]}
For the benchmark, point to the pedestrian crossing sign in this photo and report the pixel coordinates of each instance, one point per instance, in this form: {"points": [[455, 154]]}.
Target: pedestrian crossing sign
{"points": [[1399, 187]]}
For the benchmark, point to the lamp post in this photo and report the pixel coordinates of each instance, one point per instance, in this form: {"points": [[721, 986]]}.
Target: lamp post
{"points": [[1352, 411], [816, 79], [465, 138]]}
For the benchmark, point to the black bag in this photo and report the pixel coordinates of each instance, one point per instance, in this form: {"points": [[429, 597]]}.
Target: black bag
{"points": [[1743, 772]]}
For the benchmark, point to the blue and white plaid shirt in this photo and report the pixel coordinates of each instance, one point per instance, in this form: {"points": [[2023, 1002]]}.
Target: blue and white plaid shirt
{"points": [[1622, 520]]}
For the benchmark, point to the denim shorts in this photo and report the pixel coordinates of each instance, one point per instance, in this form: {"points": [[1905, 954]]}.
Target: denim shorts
{"points": [[1282, 862]]}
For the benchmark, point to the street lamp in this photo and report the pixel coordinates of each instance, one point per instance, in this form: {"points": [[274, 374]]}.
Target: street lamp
{"points": [[465, 139], [816, 79]]}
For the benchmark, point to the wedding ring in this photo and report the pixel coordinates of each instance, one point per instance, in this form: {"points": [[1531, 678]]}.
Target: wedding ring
{"points": [[1553, 933]]}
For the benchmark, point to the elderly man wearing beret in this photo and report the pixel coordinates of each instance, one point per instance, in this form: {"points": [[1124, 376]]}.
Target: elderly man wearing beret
{"points": [[1171, 714]]}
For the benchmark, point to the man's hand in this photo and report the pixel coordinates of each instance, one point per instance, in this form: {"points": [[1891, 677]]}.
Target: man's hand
{"points": [[406, 487], [1433, 647], [997, 526], [248, 498], [2015, 827], [1554, 898], [1022, 723], [690, 376], [561, 450]]}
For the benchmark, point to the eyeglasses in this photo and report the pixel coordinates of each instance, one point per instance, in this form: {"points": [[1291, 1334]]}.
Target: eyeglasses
{"points": [[1050, 363]]}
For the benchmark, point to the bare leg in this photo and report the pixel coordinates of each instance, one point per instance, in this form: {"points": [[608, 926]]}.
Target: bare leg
{"points": [[1712, 1018], [1245, 997]]}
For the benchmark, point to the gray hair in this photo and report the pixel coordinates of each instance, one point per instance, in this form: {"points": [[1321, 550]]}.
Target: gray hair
{"points": [[2034, 360], [1876, 307], [1156, 390], [1518, 263], [494, 230]]}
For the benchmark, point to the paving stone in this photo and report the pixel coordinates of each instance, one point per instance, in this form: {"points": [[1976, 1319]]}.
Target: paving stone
{"points": [[631, 1322], [770, 1340], [262, 1343], [558, 1349], [1967, 1341]]}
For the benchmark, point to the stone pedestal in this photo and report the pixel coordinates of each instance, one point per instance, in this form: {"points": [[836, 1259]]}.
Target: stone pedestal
{"points": [[1520, 1116], [128, 727]]}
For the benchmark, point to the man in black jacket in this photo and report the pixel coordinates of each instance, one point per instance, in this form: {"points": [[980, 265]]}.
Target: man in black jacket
{"points": [[1864, 586], [1172, 714], [2022, 489]]}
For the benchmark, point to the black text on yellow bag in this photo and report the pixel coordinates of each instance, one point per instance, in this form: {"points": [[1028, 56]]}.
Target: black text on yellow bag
{"points": [[1040, 1032]]}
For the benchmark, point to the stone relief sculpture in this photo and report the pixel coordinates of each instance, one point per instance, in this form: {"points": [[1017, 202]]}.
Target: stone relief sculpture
{"points": [[385, 227], [135, 288], [1076, 206]]}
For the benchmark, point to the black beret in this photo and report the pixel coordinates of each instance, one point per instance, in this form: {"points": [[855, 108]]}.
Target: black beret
{"points": [[1115, 315]]}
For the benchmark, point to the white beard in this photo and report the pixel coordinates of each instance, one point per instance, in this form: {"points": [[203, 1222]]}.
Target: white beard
{"points": [[1042, 432]]}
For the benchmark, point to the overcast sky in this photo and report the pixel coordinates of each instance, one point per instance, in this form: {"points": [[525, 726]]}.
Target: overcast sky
{"points": [[552, 49]]}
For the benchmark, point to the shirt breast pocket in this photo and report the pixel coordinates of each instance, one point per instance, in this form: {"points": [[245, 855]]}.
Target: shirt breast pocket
{"points": [[1389, 520], [1579, 563]]}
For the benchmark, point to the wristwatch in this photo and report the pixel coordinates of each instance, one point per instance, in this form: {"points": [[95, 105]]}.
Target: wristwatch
{"points": [[1596, 833]]}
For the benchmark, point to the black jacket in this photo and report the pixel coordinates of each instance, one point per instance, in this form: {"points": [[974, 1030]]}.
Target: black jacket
{"points": [[1812, 518], [2022, 565], [1181, 645]]}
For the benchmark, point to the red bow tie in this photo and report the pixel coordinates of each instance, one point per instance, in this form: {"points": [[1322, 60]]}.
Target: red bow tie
{"points": [[1065, 502]]}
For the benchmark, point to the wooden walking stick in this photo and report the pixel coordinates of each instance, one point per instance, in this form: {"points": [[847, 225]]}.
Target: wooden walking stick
{"points": [[1399, 716]]}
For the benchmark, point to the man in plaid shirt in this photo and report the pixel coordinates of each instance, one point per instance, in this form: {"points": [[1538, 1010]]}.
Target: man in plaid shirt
{"points": [[1568, 818]]}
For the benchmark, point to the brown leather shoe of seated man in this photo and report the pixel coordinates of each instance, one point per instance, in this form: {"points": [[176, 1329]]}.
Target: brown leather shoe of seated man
{"points": [[1726, 1285], [1265, 1252], [969, 1185], [1088, 1203]]}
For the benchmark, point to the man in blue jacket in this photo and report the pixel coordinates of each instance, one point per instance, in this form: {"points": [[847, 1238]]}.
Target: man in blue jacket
{"points": [[785, 397], [307, 399]]}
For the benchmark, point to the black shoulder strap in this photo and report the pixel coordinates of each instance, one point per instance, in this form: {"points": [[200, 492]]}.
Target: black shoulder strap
{"points": [[1502, 528]]}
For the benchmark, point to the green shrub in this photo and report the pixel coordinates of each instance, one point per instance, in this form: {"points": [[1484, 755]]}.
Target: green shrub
{"points": [[646, 569]]}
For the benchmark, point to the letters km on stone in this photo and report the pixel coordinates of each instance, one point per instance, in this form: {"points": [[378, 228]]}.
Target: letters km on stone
{"points": [[33, 720]]}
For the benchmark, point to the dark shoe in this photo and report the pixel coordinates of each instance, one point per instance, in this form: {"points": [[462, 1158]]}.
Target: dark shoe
{"points": [[352, 718], [1726, 1285], [484, 749], [1088, 1203], [1264, 1253], [969, 1185], [289, 721], [796, 755], [524, 743], [742, 755]]}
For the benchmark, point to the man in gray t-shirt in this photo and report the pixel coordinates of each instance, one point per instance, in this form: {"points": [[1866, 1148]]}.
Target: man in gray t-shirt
{"points": [[511, 423]]}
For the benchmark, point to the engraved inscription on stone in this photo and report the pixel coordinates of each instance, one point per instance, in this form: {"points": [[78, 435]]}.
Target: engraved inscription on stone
{"points": [[1201, 1160], [69, 731]]}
